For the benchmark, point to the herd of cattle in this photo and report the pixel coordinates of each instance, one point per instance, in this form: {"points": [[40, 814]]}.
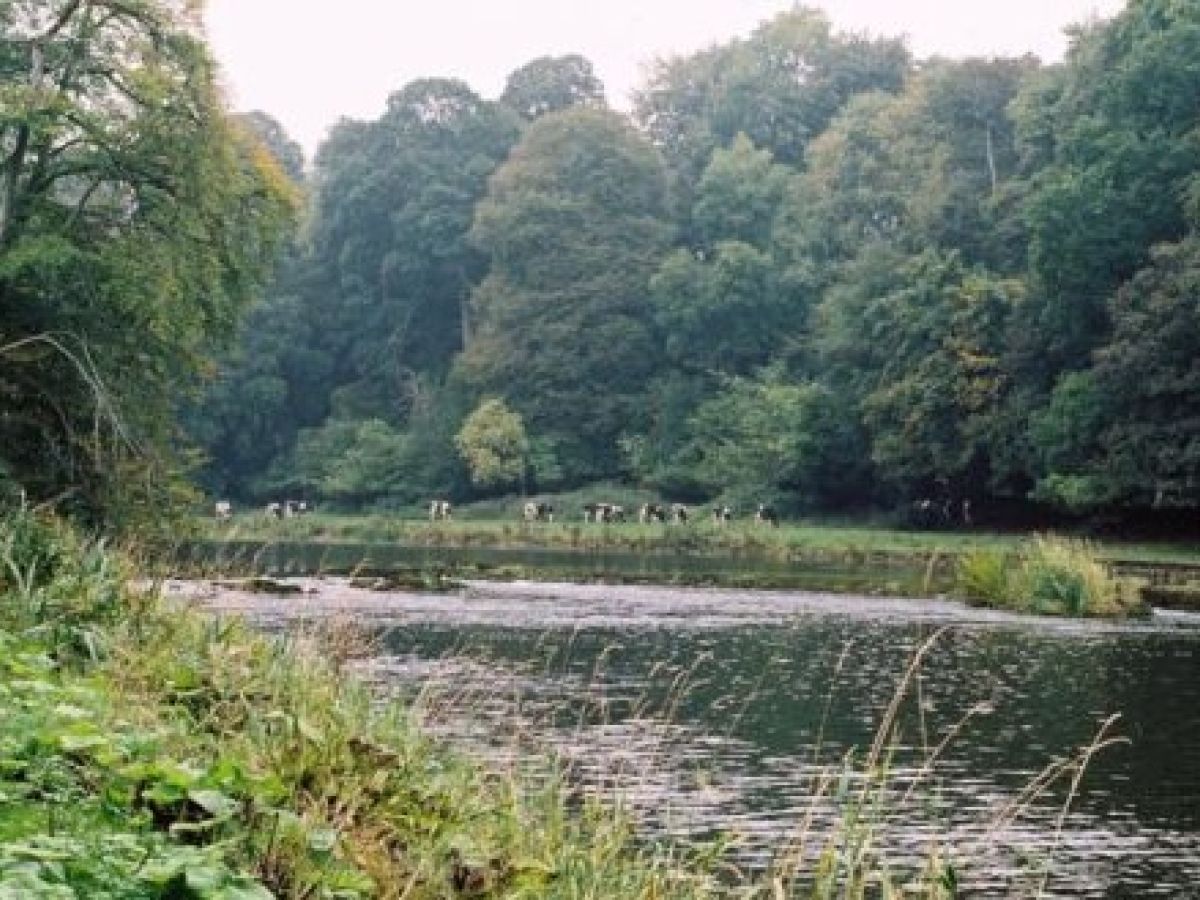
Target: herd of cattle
{"points": [[612, 513], [924, 513], [606, 513], [287, 509]]}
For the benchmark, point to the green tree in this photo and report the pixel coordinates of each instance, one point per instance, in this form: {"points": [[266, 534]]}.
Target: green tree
{"points": [[1128, 430], [550, 84], [494, 445], [738, 196], [1110, 143], [136, 223], [918, 345], [574, 224], [781, 87], [769, 439], [394, 204], [934, 166]]}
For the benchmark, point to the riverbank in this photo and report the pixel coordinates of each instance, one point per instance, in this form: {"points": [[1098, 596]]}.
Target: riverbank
{"points": [[152, 750], [790, 542]]}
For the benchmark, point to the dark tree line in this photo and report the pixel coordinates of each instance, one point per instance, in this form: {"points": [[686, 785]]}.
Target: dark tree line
{"points": [[807, 269]]}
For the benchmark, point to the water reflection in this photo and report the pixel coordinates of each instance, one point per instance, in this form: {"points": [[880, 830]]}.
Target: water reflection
{"points": [[726, 710]]}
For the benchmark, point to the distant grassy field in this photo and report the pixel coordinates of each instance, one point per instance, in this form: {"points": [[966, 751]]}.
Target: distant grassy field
{"points": [[491, 525]]}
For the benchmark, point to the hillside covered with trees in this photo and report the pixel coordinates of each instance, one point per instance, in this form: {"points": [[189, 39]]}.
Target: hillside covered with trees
{"points": [[807, 269]]}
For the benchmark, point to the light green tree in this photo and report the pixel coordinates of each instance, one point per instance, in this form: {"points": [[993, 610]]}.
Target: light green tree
{"points": [[494, 445]]}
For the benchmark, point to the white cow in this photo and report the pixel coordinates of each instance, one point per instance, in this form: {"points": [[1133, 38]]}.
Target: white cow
{"points": [[538, 512], [440, 510], [223, 509]]}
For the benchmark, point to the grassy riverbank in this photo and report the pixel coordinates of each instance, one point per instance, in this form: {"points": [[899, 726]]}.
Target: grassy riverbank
{"points": [[151, 751], [791, 542]]}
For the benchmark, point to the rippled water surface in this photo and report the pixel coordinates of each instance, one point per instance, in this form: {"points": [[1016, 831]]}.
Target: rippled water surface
{"points": [[731, 711]]}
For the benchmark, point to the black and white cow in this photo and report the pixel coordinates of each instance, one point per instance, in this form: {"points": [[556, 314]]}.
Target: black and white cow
{"points": [[679, 513], [766, 515], [538, 512], [274, 510], [652, 512], [440, 510], [721, 514], [603, 512]]}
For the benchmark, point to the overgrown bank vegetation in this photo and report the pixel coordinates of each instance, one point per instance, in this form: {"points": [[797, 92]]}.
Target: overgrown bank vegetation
{"points": [[1049, 576]]}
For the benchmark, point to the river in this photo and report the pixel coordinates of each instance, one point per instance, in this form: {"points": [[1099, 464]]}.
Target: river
{"points": [[722, 711]]}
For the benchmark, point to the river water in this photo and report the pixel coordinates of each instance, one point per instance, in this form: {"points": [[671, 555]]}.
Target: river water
{"points": [[735, 712]]}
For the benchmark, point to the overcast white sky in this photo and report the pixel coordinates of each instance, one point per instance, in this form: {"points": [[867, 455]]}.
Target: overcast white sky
{"points": [[309, 62]]}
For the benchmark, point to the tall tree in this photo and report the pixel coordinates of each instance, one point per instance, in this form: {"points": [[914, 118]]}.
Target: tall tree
{"points": [[916, 344], [780, 87], [1127, 431], [1110, 141], [717, 305], [394, 204], [275, 379], [136, 222], [573, 224]]}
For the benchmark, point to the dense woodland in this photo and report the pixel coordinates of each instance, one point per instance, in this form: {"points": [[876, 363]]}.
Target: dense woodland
{"points": [[807, 269]]}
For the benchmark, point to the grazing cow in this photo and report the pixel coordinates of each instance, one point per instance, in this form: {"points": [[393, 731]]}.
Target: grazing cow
{"points": [[679, 513], [721, 514], [603, 512], [766, 515], [440, 510], [652, 512], [223, 509], [538, 512], [274, 510]]}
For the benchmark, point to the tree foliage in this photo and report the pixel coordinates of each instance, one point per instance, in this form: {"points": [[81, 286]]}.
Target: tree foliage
{"points": [[494, 445], [552, 84], [136, 222], [573, 224]]}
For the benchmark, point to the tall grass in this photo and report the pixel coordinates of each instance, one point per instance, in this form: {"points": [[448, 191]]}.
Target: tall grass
{"points": [[1049, 576]]}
